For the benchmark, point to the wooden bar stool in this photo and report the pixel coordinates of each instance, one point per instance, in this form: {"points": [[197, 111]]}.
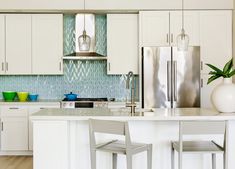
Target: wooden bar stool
{"points": [[115, 146], [199, 128]]}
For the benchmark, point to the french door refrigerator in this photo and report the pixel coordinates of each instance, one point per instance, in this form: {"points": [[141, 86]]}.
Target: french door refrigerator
{"points": [[170, 78]]}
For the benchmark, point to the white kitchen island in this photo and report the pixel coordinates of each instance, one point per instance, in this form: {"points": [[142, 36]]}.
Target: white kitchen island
{"points": [[61, 137]]}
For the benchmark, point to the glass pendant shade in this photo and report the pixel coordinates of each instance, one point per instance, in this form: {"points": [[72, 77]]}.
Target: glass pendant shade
{"points": [[182, 41], [84, 41]]}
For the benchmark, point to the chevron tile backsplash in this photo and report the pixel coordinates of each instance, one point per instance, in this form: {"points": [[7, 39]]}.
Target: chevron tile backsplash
{"points": [[87, 78]]}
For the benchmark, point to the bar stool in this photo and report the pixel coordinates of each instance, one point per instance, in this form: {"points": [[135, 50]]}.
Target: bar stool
{"points": [[115, 146], [199, 128]]}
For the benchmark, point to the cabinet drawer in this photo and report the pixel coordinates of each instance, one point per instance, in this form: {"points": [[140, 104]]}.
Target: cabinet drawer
{"points": [[13, 111]]}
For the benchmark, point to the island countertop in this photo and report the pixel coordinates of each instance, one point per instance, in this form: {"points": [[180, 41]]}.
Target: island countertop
{"points": [[159, 114]]}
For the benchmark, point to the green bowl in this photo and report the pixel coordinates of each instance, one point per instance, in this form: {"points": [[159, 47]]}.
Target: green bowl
{"points": [[9, 96], [22, 96]]}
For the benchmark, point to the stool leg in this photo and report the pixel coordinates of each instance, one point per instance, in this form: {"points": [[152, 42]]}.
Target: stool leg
{"points": [[93, 159], [213, 161], [129, 161], [149, 157], [180, 160], [114, 161], [172, 157]]}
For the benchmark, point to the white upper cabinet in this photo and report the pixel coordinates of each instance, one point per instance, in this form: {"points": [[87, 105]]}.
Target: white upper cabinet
{"points": [[157, 4], [160, 28], [2, 44], [18, 44], [191, 26], [154, 28], [47, 43], [122, 43], [111, 5], [215, 38]]}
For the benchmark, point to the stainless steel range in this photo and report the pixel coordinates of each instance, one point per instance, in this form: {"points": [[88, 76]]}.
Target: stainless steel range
{"points": [[84, 103]]}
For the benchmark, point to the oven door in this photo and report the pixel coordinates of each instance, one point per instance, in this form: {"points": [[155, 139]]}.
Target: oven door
{"points": [[84, 104]]}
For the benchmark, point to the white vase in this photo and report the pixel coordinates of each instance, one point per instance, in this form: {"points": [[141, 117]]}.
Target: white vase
{"points": [[223, 96]]}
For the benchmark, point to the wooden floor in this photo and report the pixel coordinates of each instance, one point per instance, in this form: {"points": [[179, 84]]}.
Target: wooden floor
{"points": [[16, 162]]}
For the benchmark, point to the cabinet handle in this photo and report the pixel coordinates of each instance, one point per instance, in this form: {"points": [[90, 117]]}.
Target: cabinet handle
{"points": [[2, 66], [42, 108], [167, 38], [6, 66], [60, 66], [14, 108], [172, 38], [201, 65], [109, 66], [2, 126], [201, 83]]}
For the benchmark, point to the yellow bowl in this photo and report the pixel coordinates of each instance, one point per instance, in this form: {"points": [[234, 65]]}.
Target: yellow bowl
{"points": [[22, 96]]}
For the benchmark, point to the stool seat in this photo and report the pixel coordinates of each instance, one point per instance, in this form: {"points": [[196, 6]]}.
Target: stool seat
{"points": [[119, 147], [198, 147], [116, 147]]}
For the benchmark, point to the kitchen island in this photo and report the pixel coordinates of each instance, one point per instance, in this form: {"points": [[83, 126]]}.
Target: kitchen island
{"points": [[61, 137]]}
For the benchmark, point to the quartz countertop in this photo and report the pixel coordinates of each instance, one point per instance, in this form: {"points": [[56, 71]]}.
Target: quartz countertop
{"points": [[160, 114], [40, 101]]}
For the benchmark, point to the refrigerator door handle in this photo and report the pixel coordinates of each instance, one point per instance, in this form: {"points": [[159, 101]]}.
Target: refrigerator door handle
{"points": [[175, 80], [168, 80]]}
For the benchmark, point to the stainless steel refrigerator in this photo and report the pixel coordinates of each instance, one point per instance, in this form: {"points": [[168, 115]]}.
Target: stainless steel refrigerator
{"points": [[170, 78]]}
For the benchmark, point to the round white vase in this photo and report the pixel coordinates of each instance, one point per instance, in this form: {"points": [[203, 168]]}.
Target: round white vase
{"points": [[223, 96]]}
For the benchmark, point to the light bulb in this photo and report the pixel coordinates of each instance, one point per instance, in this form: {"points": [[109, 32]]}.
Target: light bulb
{"points": [[182, 41]]}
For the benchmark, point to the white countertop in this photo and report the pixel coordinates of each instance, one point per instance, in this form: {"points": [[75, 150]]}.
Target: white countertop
{"points": [[40, 101], [122, 114]]}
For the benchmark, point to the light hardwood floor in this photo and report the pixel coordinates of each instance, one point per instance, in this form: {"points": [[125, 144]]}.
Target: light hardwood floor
{"points": [[16, 162]]}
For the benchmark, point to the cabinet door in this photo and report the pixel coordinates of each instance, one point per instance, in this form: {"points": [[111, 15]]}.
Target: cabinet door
{"points": [[122, 43], [191, 26], [2, 44], [206, 90], [47, 43], [154, 28], [18, 44], [215, 38], [34, 109], [14, 134]]}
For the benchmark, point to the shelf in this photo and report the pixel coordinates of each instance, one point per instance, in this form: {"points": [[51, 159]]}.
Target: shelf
{"points": [[84, 58]]}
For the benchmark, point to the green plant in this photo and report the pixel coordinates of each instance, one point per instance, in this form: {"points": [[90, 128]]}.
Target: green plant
{"points": [[227, 72]]}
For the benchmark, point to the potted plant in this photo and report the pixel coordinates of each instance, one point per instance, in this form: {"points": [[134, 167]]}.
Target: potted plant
{"points": [[223, 95]]}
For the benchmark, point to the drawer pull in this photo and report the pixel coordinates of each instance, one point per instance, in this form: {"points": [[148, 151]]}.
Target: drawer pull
{"points": [[14, 108], [42, 108]]}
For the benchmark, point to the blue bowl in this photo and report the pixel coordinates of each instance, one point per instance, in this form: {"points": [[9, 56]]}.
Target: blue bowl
{"points": [[33, 97]]}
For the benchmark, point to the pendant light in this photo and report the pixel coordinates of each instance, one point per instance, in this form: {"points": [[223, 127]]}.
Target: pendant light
{"points": [[182, 38], [84, 40]]}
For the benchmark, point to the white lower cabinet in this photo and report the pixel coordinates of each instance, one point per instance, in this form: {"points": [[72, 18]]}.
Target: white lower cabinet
{"points": [[34, 109], [16, 125], [14, 129]]}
